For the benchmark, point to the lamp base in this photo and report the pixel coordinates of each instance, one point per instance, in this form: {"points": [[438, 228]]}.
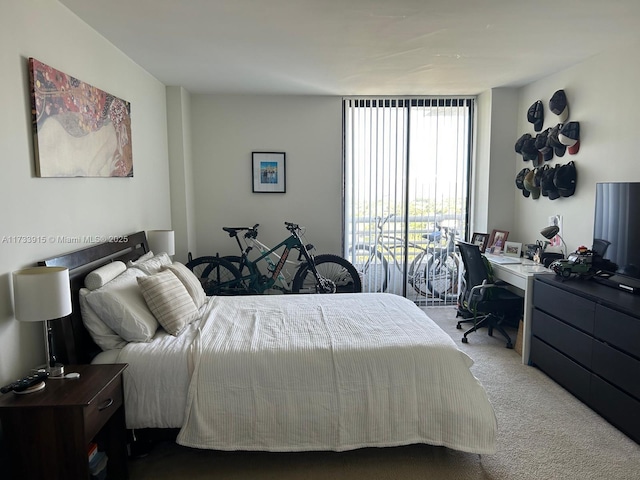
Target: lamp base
{"points": [[56, 371]]}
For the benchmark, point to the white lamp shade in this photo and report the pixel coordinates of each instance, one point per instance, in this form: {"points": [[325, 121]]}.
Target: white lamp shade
{"points": [[41, 293], [162, 241]]}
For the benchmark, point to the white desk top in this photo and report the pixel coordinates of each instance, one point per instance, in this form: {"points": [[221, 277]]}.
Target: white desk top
{"points": [[526, 268]]}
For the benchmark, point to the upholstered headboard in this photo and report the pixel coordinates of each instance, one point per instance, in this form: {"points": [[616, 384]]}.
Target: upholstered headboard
{"points": [[73, 344]]}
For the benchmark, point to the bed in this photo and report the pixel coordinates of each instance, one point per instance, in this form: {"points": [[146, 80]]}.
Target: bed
{"points": [[287, 372]]}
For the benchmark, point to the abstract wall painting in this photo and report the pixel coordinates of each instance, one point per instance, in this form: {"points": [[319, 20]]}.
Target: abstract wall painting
{"points": [[78, 129]]}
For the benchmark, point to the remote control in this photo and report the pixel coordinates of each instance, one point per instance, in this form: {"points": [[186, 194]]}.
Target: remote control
{"points": [[24, 383]]}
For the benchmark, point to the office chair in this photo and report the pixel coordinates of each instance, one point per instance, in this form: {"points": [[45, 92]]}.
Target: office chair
{"points": [[482, 301]]}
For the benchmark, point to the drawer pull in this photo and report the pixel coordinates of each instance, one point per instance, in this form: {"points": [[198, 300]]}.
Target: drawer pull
{"points": [[106, 404]]}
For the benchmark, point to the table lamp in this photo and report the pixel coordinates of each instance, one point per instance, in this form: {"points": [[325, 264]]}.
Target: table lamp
{"points": [[162, 241], [550, 232], [42, 294]]}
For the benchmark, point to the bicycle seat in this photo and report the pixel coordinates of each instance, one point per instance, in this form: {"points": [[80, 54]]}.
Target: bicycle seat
{"points": [[233, 231]]}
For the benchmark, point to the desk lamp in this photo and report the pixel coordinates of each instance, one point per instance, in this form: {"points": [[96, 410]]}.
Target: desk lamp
{"points": [[550, 232], [42, 294], [162, 241]]}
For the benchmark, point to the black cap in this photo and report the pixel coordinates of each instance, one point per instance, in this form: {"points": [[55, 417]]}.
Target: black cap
{"points": [[520, 142], [547, 187], [542, 144], [535, 115], [558, 147], [520, 181], [529, 150], [569, 135], [558, 105], [565, 179]]}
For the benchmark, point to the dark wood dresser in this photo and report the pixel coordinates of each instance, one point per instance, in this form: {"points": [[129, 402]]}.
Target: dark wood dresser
{"points": [[586, 336]]}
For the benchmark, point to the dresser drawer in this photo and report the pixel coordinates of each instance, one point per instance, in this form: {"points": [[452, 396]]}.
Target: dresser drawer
{"points": [[98, 412], [617, 407], [570, 341], [562, 369], [618, 368], [566, 306], [619, 329]]}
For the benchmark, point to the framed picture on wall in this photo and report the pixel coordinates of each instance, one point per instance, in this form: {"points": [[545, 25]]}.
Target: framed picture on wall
{"points": [[268, 170], [497, 241], [480, 239]]}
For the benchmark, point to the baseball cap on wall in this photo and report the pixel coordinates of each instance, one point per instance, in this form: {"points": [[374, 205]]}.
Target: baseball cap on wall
{"points": [[569, 135], [520, 142], [558, 105], [547, 187], [520, 181], [558, 147], [529, 150], [565, 179], [542, 144], [535, 115], [530, 184]]}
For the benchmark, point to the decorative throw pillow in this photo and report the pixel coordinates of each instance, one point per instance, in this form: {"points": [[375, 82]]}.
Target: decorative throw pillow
{"points": [[103, 275], [154, 264], [122, 307], [143, 258], [104, 336], [169, 300], [190, 281]]}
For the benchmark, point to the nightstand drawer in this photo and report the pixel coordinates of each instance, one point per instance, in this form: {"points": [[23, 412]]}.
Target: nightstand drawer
{"points": [[98, 412]]}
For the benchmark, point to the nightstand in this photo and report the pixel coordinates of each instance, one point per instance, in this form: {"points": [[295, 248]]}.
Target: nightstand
{"points": [[47, 433]]}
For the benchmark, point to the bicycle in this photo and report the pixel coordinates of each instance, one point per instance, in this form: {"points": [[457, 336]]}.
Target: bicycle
{"points": [[233, 275], [433, 271]]}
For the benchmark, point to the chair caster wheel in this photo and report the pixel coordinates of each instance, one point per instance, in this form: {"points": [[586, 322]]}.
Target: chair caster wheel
{"points": [[459, 327], [465, 340]]}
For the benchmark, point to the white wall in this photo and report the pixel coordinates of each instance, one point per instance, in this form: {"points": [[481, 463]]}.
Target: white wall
{"points": [[603, 96], [227, 129], [46, 30]]}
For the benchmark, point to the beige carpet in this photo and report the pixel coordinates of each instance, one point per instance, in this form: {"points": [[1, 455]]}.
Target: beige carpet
{"points": [[544, 433]]}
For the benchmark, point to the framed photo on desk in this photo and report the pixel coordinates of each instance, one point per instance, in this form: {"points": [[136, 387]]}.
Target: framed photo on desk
{"points": [[497, 241], [512, 249], [480, 239]]}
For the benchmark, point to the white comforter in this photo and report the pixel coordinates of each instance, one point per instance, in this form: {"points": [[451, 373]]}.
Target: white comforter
{"points": [[318, 372]]}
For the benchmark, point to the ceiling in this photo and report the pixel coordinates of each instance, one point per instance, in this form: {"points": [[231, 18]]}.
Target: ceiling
{"points": [[359, 47]]}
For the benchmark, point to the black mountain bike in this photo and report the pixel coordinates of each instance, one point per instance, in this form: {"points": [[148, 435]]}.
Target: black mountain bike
{"points": [[237, 275]]}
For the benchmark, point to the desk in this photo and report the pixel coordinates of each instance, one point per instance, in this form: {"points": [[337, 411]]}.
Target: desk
{"points": [[520, 276]]}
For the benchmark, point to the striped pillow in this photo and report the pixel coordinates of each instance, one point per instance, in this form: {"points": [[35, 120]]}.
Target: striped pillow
{"points": [[190, 281], [168, 300]]}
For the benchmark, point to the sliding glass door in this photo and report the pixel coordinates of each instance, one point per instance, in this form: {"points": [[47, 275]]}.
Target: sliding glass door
{"points": [[406, 169]]}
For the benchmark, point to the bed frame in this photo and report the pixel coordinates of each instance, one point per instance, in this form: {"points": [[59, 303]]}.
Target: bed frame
{"points": [[73, 344]]}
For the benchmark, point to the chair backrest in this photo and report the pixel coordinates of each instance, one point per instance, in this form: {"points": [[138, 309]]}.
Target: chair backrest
{"points": [[476, 270]]}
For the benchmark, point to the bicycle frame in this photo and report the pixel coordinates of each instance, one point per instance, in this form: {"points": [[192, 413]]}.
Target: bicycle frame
{"points": [[383, 241], [256, 280]]}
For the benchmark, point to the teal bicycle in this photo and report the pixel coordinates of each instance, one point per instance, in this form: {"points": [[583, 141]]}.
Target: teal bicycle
{"points": [[238, 275]]}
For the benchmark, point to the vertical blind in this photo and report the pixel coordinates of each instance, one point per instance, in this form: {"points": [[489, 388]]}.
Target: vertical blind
{"points": [[406, 169]]}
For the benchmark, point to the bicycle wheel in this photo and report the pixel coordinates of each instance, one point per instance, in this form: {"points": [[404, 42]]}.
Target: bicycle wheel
{"points": [[443, 276], [337, 275], [372, 266], [216, 275], [418, 271]]}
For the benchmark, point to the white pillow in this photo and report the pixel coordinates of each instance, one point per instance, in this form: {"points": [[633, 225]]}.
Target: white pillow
{"points": [[169, 300], [154, 264], [142, 258], [122, 308], [103, 275], [190, 281], [104, 337]]}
